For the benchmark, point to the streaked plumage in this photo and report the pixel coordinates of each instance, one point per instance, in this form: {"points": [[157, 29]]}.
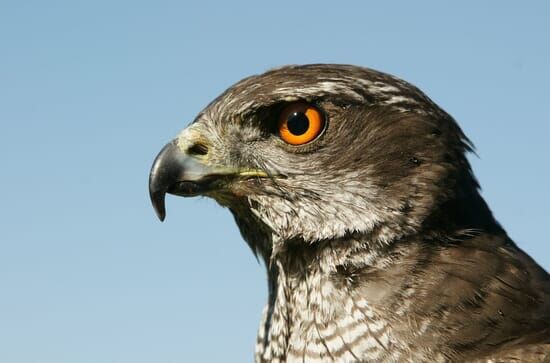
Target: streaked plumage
{"points": [[378, 245]]}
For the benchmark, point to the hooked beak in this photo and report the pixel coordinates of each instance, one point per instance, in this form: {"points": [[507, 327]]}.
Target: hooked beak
{"points": [[180, 173]]}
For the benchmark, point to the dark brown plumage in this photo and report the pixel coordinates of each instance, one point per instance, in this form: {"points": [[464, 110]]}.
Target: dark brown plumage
{"points": [[378, 244]]}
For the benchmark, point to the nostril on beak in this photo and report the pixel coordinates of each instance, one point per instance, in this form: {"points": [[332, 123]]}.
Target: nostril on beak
{"points": [[197, 149]]}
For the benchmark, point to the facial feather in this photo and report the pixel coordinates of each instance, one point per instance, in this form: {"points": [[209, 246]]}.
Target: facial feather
{"points": [[380, 162]]}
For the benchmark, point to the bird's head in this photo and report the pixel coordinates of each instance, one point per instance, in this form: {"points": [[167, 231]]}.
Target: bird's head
{"points": [[317, 152]]}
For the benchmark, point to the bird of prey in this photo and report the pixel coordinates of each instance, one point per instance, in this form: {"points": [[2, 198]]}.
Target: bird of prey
{"points": [[354, 188]]}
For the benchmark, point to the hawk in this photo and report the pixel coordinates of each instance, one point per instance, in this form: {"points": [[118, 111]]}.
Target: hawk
{"points": [[354, 188]]}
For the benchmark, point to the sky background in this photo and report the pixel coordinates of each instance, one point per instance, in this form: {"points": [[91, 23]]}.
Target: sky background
{"points": [[91, 91]]}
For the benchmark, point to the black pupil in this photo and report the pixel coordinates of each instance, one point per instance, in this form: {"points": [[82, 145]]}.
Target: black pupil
{"points": [[297, 123]]}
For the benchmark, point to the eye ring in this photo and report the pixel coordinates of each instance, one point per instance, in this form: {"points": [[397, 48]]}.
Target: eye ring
{"points": [[300, 123]]}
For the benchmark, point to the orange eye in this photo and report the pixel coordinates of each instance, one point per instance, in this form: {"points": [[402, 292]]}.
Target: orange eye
{"points": [[300, 123]]}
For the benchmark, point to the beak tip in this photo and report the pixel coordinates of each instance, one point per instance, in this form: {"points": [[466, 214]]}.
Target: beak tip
{"points": [[161, 214], [158, 204]]}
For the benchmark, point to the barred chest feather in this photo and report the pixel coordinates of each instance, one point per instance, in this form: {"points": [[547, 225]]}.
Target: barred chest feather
{"points": [[319, 309], [309, 321], [345, 301]]}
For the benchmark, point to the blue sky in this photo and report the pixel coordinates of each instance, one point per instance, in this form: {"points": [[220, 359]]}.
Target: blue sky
{"points": [[90, 92]]}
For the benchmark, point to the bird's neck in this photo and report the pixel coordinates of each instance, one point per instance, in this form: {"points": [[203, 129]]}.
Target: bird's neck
{"points": [[322, 295], [350, 301], [354, 298]]}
